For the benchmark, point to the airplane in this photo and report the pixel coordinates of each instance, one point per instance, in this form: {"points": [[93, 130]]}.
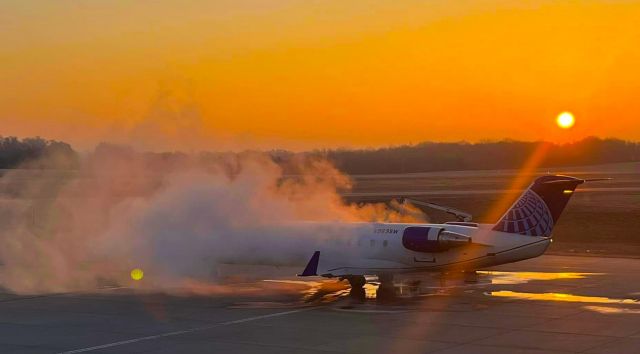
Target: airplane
{"points": [[389, 249]]}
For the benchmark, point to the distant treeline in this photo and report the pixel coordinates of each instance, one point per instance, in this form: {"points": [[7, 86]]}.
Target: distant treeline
{"points": [[36, 153], [424, 157], [429, 156]]}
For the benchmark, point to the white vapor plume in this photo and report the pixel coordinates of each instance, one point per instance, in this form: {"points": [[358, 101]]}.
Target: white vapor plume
{"points": [[175, 217]]}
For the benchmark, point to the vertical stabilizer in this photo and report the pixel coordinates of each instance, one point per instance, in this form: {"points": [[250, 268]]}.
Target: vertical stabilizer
{"points": [[312, 267], [538, 209]]}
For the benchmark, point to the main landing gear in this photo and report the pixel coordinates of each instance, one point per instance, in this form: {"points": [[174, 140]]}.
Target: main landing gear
{"points": [[386, 291], [357, 283], [468, 276], [471, 277]]}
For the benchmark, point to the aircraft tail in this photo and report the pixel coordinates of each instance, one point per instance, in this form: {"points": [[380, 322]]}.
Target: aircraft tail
{"points": [[538, 209]]}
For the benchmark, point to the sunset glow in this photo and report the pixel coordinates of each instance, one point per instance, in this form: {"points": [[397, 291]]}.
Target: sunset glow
{"points": [[300, 75]]}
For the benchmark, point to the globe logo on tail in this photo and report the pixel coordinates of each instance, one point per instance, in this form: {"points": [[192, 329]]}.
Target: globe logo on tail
{"points": [[529, 216]]}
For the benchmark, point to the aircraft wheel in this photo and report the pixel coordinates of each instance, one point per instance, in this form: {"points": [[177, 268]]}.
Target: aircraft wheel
{"points": [[414, 287], [357, 291], [386, 291], [357, 281], [357, 294], [385, 294], [471, 277]]}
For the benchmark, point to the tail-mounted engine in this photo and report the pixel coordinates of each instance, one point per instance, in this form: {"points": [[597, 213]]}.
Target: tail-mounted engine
{"points": [[432, 239]]}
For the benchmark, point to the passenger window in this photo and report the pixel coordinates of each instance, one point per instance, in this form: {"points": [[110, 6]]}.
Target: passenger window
{"points": [[372, 243], [385, 243]]}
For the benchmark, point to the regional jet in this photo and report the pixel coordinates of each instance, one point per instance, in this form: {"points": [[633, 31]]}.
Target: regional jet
{"points": [[389, 249]]}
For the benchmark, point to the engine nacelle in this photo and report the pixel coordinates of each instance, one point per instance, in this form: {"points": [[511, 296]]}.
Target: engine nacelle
{"points": [[432, 239]]}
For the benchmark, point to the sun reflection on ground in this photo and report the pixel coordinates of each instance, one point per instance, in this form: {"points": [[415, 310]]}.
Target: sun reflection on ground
{"points": [[502, 278], [370, 290], [328, 290], [319, 291], [561, 297], [612, 310]]}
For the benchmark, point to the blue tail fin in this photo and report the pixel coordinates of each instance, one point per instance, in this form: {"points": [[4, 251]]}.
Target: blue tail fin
{"points": [[312, 267], [539, 207]]}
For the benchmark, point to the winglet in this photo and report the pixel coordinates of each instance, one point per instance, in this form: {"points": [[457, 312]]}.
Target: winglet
{"points": [[312, 267]]}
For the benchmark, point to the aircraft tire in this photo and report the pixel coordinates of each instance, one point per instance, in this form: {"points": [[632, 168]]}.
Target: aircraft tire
{"points": [[357, 281]]}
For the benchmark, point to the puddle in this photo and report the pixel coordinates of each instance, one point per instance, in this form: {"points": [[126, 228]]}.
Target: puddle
{"points": [[324, 291], [504, 278], [328, 290], [612, 310], [561, 297], [313, 292]]}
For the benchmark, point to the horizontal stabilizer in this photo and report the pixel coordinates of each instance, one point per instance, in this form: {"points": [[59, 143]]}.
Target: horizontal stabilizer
{"points": [[598, 179], [581, 181], [459, 214], [312, 267]]}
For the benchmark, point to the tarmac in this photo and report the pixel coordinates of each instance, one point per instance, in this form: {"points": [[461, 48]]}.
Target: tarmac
{"points": [[551, 304]]}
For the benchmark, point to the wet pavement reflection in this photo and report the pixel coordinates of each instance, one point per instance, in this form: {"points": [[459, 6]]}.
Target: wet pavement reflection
{"points": [[496, 284], [561, 297], [497, 277], [607, 310]]}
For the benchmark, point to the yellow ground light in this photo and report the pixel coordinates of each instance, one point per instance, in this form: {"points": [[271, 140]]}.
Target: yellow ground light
{"points": [[137, 274]]}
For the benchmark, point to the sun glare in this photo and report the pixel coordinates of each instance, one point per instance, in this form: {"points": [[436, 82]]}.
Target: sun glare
{"points": [[565, 120]]}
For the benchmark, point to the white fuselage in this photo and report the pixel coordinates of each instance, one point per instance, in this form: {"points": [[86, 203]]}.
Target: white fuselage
{"points": [[377, 248]]}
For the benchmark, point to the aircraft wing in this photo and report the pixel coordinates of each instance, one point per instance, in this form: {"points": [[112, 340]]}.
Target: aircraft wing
{"points": [[323, 266]]}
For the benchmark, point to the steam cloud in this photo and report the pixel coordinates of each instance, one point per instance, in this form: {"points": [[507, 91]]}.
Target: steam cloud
{"points": [[176, 219]]}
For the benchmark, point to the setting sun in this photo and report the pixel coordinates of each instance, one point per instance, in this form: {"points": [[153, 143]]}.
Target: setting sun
{"points": [[565, 120], [218, 75]]}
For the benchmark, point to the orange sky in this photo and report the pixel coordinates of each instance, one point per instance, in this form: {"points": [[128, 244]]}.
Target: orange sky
{"points": [[302, 74]]}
